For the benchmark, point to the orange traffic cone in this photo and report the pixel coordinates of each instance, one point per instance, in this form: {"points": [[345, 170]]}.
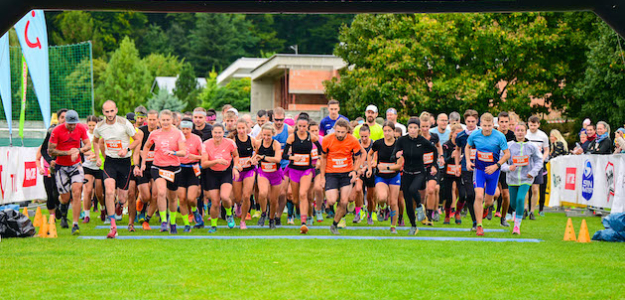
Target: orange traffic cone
{"points": [[26, 212], [43, 230], [569, 232], [37, 222], [52, 228], [584, 236]]}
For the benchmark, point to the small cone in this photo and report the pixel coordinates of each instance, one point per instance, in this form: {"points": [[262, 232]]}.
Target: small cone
{"points": [[584, 236], [52, 228], [569, 232], [43, 230], [26, 212], [38, 218]]}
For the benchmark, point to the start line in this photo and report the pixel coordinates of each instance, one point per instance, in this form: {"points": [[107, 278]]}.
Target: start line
{"points": [[354, 228], [309, 237]]}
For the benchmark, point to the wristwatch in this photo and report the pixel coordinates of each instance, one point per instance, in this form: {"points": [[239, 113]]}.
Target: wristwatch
{"points": [[128, 149], [498, 165]]}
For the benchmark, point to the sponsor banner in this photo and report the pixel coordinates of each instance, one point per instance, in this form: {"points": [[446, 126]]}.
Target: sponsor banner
{"points": [[19, 178]]}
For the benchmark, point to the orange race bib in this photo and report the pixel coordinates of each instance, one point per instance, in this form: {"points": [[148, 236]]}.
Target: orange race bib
{"points": [[167, 175], [451, 169], [315, 154], [485, 156], [114, 144], [428, 158], [338, 163], [521, 160], [196, 169], [268, 167], [382, 168], [299, 162], [150, 156], [473, 151], [245, 162]]}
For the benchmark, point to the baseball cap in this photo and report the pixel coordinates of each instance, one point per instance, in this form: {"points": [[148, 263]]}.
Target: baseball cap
{"points": [[372, 108], [130, 117], [235, 111], [71, 117], [391, 110]]}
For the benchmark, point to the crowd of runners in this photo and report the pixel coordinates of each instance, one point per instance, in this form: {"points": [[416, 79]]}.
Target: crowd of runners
{"points": [[170, 166]]}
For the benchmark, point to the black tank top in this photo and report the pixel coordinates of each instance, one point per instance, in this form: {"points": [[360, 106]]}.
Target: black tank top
{"points": [[302, 147], [245, 152], [264, 165]]}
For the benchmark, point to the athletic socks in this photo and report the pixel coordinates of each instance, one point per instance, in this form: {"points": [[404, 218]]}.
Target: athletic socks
{"points": [[214, 222], [335, 223], [185, 219], [357, 210], [163, 215], [430, 212], [228, 211], [172, 217], [147, 219], [112, 218], [87, 213], [479, 225], [289, 208], [517, 222], [459, 206], [303, 217], [193, 209]]}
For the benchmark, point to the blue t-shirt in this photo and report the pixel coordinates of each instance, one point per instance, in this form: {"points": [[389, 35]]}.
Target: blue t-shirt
{"points": [[461, 142], [443, 137], [281, 137], [488, 147], [326, 126]]}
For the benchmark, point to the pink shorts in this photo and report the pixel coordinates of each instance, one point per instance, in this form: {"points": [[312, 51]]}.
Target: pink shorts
{"points": [[296, 175], [275, 178], [246, 174]]}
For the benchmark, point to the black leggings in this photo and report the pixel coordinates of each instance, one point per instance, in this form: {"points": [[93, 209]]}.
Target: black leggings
{"points": [[51, 192], [467, 193], [447, 188], [410, 185]]}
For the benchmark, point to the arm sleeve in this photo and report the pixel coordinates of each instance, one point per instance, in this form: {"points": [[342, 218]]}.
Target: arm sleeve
{"points": [[285, 153], [319, 146], [44, 148], [356, 148]]}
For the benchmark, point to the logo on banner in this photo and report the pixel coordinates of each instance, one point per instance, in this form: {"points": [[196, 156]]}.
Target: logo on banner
{"points": [[571, 174], [587, 180], [557, 180], [609, 175], [30, 174]]}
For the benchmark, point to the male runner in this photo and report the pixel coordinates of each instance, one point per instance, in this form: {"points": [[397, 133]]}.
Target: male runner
{"points": [[541, 140], [147, 189], [391, 116], [326, 126], [503, 119], [376, 130], [261, 119]]}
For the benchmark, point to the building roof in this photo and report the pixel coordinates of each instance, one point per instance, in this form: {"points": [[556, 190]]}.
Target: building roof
{"points": [[241, 68], [280, 62], [169, 83]]}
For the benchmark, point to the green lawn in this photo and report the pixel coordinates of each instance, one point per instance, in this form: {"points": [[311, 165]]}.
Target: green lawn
{"points": [[72, 268]]}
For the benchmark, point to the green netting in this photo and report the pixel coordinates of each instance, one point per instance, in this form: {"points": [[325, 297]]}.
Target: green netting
{"points": [[71, 84]]}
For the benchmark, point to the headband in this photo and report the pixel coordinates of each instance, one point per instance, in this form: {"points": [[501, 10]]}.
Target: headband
{"points": [[186, 124], [211, 118], [203, 113], [140, 114]]}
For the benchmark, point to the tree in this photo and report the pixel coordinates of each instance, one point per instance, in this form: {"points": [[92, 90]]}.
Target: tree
{"points": [[155, 41], [74, 27], [161, 65], [187, 87], [126, 81], [165, 100], [236, 93]]}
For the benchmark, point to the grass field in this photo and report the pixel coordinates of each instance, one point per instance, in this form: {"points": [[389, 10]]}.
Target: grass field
{"points": [[72, 268]]}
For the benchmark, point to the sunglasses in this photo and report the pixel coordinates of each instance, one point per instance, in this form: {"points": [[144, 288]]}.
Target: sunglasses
{"points": [[279, 120]]}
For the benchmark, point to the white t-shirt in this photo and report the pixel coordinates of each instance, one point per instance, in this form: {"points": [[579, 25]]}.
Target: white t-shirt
{"points": [[116, 136], [255, 131], [540, 139], [89, 164], [403, 128]]}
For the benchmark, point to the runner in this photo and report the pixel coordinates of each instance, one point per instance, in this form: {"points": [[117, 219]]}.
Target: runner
{"points": [[115, 133], [521, 168], [391, 116], [267, 159], [93, 174], [541, 140], [503, 119], [282, 134], [141, 115], [451, 154], [244, 184], [53, 202], [488, 144], [218, 156], [376, 130], [431, 181], [190, 170], [443, 131], [132, 180], [412, 148], [338, 168], [300, 170], [365, 182], [64, 143], [169, 146], [401, 202], [261, 119], [326, 126], [316, 192], [147, 188], [230, 122], [466, 191], [387, 178]]}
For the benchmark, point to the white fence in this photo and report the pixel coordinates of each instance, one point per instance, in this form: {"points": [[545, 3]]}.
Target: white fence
{"points": [[19, 179]]}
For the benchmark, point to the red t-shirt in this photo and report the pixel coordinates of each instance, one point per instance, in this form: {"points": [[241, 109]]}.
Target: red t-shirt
{"points": [[66, 140], [194, 146], [166, 141], [224, 150]]}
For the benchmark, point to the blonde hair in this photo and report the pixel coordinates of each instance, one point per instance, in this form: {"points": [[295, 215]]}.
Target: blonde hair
{"points": [[487, 117], [456, 127], [166, 112], [268, 126], [425, 118], [230, 115], [559, 138]]}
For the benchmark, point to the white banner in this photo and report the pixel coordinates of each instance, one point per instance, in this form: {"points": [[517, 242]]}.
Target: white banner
{"points": [[595, 180], [19, 179]]}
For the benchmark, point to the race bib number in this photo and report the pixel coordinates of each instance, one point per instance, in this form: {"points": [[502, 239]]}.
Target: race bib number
{"points": [[150, 156], [485, 156], [114, 144], [521, 160], [338, 163], [167, 175], [315, 154], [301, 160], [428, 158], [196, 169], [382, 168], [473, 151], [245, 162], [451, 169], [268, 167]]}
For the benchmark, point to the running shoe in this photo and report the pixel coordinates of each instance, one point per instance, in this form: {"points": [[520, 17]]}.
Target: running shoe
{"points": [[374, 217], [497, 215], [278, 221], [509, 217], [435, 216], [309, 221], [504, 223], [163, 226], [290, 221], [82, 214], [199, 225], [112, 233], [387, 213], [464, 211], [356, 219], [139, 205], [242, 225], [272, 224], [187, 228], [319, 216], [393, 230], [474, 228], [489, 214], [524, 214], [516, 230], [118, 212], [118, 217], [303, 229], [446, 221], [369, 220], [381, 214], [400, 221], [329, 213], [230, 220], [413, 230], [342, 223], [75, 230], [256, 214], [212, 230], [107, 221], [86, 220], [197, 217], [131, 228], [248, 217], [480, 231], [542, 213], [532, 216], [458, 219], [141, 218], [146, 226], [420, 214], [334, 229], [261, 220], [64, 223], [430, 223], [102, 215]]}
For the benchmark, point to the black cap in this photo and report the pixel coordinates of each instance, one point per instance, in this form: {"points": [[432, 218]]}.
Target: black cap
{"points": [[130, 117]]}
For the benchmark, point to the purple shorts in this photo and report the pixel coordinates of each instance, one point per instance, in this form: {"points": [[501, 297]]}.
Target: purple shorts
{"points": [[296, 175], [246, 174], [275, 178]]}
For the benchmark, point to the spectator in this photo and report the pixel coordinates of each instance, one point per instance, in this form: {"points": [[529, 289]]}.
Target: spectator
{"points": [[558, 144], [602, 143]]}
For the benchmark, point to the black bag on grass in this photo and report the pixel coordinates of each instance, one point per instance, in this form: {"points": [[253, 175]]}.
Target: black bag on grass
{"points": [[15, 224]]}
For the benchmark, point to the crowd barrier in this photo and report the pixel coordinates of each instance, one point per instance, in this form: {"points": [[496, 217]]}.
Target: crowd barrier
{"points": [[588, 180], [19, 179]]}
